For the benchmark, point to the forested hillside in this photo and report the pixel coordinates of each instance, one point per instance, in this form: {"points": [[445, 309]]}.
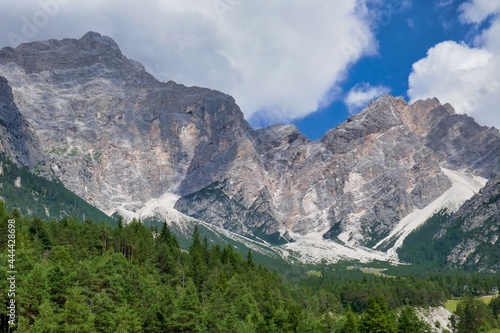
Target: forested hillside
{"points": [[38, 196], [85, 277]]}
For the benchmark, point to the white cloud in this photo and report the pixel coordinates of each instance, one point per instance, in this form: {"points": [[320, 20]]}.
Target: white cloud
{"points": [[476, 11], [467, 77], [361, 94], [270, 55], [444, 3]]}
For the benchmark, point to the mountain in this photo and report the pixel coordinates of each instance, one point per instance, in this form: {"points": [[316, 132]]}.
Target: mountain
{"points": [[113, 133], [466, 238], [109, 131]]}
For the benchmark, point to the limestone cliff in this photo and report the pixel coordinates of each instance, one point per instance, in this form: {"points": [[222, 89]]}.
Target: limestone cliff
{"points": [[118, 137]]}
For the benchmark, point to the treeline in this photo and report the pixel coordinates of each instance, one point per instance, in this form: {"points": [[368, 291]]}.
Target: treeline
{"points": [[38, 196], [87, 277], [421, 247]]}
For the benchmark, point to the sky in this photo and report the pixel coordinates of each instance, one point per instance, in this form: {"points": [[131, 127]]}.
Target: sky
{"points": [[311, 63]]}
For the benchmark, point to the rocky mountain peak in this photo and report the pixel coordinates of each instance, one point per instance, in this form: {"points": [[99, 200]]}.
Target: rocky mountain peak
{"points": [[119, 138], [113, 133], [279, 136], [68, 54], [423, 115], [95, 40]]}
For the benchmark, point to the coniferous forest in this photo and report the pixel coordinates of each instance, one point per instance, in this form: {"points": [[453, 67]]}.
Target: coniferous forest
{"points": [[75, 276]]}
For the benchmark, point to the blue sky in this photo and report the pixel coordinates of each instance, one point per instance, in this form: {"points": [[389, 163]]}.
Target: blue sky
{"points": [[311, 63]]}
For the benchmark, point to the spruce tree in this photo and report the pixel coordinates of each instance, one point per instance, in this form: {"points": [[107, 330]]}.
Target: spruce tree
{"points": [[77, 315], [408, 321], [197, 262], [250, 262], [351, 323], [377, 319], [473, 315], [187, 316]]}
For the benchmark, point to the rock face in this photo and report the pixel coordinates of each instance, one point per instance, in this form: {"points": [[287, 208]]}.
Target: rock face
{"points": [[16, 137], [110, 131], [461, 144], [118, 137]]}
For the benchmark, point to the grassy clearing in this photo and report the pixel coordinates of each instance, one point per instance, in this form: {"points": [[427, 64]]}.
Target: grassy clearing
{"points": [[374, 271], [451, 304], [487, 299], [314, 273]]}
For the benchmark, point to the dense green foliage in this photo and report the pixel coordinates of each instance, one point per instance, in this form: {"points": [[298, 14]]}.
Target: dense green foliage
{"points": [[474, 316], [37, 196], [85, 277], [408, 322], [421, 247]]}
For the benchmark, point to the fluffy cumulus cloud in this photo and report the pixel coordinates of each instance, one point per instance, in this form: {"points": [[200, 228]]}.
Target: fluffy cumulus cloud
{"points": [[284, 55], [361, 94], [466, 76]]}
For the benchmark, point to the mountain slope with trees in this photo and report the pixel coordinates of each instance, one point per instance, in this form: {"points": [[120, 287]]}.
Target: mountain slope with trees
{"points": [[37, 196], [81, 276], [467, 238]]}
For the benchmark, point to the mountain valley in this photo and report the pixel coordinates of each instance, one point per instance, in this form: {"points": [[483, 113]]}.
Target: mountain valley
{"points": [[80, 112]]}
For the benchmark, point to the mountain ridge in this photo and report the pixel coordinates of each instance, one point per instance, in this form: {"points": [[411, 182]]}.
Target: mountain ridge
{"points": [[118, 137]]}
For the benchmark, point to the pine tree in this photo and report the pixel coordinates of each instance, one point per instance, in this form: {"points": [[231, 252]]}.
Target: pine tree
{"points": [[105, 312], [197, 262], [167, 237], [128, 320], [352, 322], [408, 321], [187, 316], [77, 315], [46, 321], [495, 307], [473, 315], [250, 262], [377, 319]]}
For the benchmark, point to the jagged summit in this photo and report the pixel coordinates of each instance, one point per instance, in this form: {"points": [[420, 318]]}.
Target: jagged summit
{"points": [[56, 55], [98, 114], [119, 138]]}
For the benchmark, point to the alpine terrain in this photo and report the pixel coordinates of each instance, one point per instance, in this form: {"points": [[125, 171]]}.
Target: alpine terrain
{"points": [[79, 111]]}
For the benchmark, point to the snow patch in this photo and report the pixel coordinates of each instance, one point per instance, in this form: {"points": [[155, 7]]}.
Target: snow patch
{"points": [[312, 247], [163, 208]]}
